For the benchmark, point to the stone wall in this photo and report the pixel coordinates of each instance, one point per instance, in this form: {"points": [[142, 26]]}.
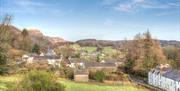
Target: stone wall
{"points": [[81, 78]]}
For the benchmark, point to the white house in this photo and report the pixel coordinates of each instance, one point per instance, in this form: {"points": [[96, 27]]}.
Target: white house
{"points": [[165, 78], [74, 62], [50, 57], [28, 59]]}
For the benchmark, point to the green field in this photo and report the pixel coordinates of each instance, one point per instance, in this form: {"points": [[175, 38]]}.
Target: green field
{"points": [[89, 49], [5, 80], [73, 86]]}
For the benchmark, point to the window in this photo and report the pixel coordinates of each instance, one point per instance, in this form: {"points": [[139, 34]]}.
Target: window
{"points": [[158, 73], [174, 83], [160, 83]]}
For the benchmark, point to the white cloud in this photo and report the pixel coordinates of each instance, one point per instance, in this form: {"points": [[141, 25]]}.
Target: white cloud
{"points": [[124, 7], [129, 6], [134, 5]]}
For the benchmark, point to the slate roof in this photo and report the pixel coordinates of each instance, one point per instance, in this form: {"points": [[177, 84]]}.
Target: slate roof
{"points": [[173, 74], [81, 72], [50, 52], [75, 60], [96, 64], [45, 57], [111, 61]]}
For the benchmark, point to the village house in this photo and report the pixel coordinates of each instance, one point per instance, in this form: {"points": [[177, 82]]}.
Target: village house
{"points": [[82, 68], [72, 62], [97, 66], [75, 61], [165, 78], [50, 57], [81, 75], [118, 62]]}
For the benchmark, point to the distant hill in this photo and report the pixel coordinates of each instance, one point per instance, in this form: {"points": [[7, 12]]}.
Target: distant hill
{"points": [[55, 40], [170, 42], [37, 37], [94, 42]]}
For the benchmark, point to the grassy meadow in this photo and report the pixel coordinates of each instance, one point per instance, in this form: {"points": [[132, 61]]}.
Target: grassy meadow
{"points": [[73, 86]]}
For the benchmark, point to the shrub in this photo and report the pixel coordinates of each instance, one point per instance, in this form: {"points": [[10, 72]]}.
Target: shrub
{"points": [[117, 76], [4, 70], [99, 76], [66, 72], [91, 74], [114, 77], [3, 56], [69, 73], [38, 81]]}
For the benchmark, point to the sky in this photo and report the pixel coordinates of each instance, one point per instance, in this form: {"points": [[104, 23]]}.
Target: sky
{"points": [[99, 19]]}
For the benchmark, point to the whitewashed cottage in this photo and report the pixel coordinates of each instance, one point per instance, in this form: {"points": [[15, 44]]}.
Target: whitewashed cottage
{"points": [[165, 78], [50, 57]]}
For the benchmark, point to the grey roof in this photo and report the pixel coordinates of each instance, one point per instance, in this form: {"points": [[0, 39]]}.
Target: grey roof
{"points": [[97, 64], [162, 71], [111, 61], [173, 74], [93, 63], [76, 60], [81, 72], [50, 52], [45, 57]]}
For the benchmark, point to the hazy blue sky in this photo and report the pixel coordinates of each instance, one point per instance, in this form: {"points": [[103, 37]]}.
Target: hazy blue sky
{"points": [[101, 19]]}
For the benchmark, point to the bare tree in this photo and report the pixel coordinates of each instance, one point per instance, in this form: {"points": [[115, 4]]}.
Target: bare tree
{"points": [[4, 25], [4, 38]]}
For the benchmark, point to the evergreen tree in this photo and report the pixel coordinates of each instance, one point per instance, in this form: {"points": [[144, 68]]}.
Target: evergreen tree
{"points": [[3, 56], [36, 49], [25, 33], [3, 60], [26, 43]]}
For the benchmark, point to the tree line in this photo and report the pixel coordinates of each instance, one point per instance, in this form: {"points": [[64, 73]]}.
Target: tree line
{"points": [[13, 45], [142, 54]]}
